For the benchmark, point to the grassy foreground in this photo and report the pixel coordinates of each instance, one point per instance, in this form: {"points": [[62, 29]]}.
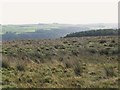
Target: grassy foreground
{"points": [[85, 62]]}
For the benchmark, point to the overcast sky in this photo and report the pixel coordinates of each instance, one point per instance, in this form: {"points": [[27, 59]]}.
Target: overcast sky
{"points": [[59, 12]]}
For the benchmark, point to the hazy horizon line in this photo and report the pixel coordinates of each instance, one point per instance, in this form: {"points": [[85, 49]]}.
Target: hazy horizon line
{"points": [[58, 23]]}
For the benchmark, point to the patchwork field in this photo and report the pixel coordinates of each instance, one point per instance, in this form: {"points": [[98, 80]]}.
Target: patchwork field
{"points": [[83, 62]]}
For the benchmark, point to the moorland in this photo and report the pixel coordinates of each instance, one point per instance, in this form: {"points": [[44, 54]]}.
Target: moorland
{"points": [[68, 62]]}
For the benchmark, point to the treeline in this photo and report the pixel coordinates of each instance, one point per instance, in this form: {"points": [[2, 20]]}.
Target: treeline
{"points": [[100, 32]]}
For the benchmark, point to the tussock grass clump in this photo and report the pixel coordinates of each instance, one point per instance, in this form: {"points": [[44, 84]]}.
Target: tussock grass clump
{"points": [[109, 71], [67, 63], [77, 68], [75, 64]]}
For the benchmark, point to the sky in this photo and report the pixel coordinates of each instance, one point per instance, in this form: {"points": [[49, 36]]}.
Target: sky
{"points": [[65, 12]]}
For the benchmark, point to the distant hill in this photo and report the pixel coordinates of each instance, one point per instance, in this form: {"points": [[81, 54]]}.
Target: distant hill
{"points": [[41, 26], [47, 31], [42, 34], [100, 32]]}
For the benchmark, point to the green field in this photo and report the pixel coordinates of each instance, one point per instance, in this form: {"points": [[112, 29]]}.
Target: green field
{"points": [[28, 27]]}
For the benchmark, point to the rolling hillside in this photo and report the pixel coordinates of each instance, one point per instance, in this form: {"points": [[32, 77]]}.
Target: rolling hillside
{"points": [[81, 62]]}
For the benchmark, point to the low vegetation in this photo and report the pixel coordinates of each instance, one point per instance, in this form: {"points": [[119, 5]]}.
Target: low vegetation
{"points": [[83, 62]]}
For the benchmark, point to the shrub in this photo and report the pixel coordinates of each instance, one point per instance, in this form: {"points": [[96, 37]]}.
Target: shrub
{"points": [[74, 41], [61, 59], [111, 45], [5, 64], [75, 52], [38, 49], [115, 51], [4, 51], [29, 80], [113, 41], [48, 79], [93, 51], [59, 47], [65, 42], [20, 66], [104, 51], [102, 41]]}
